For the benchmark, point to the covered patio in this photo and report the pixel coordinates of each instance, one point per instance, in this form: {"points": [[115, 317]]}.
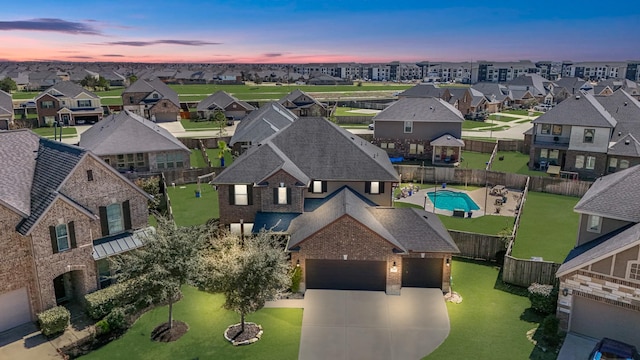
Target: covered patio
{"points": [[447, 149]]}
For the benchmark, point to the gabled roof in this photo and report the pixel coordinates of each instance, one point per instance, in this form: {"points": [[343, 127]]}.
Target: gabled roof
{"points": [[420, 110], [615, 196], [580, 110], [424, 90], [262, 123], [573, 84], [54, 163], [492, 90], [294, 95], [69, 89], [6, 103], [18, 151], [626, 110], [534, 82], [336, 155], [220, 100], [447, 140], [149, 86], [627, 145], [600, 249], [128, 133], [406, 229]]}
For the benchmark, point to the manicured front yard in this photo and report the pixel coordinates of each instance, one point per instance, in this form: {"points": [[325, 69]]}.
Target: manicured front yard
{"points": [[503, 118], [190, 210], [489, 323], [548, 227], [522, 112], [189, 125], [207, 321], [68, 131]]}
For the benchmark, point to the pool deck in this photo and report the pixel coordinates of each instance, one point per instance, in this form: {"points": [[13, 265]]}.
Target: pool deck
{"points": [[478, 196]]}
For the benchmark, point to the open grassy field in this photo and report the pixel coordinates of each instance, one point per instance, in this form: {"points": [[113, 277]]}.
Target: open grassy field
{"points": [[207, 321], [548, 227]]}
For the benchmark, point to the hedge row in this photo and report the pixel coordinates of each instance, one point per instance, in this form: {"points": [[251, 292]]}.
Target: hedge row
{"points": [[101, 302], [54, 320]]}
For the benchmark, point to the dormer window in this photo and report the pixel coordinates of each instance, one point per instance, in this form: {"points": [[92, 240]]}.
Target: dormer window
{"points": [[155, 96], [588, 136]]}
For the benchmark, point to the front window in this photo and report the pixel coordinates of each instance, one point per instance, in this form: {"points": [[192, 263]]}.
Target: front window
{"points": [[544, 154], [545, 129], [316, 187], [588, 136], [408, 127], [591, 163], [46, 104], [241, 194], [594, 223], [84, 103], [579, 161], [634, 270], [556, 130], [62, 237], [613, 163], [282, 195], [114, 218], [374, 187], [624, 164]]}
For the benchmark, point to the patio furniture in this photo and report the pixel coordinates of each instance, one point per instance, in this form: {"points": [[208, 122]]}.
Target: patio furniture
{"points": [[499, 190]]}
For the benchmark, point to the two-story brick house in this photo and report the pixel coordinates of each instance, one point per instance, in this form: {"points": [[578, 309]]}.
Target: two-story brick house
{"points": [[152, 99], [259, 125], [600, 278], [420, 128], [129, 142], [331, 196], [588, 135], [64, 211], [69, 104], [6, 110]]}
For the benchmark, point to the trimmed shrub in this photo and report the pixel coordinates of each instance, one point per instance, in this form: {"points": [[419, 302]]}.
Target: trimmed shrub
{"points": [[101, 302], [543, 298], [102, 327], [550, 332], [117, 319], [54, 320], [296, 277]]}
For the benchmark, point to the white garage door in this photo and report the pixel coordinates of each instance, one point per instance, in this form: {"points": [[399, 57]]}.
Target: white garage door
{"points": [[14, 309], [598, 320]]}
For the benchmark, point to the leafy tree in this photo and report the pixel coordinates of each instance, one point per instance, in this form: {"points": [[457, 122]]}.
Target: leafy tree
{"points": [[8, 85], [132, 79], [89, 82], [103, 83], [222, 150], [219, 116], [167, 260], [249, 271]]}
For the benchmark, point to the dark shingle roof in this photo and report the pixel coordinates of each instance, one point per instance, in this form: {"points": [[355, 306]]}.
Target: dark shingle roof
{"points": [[262, 123], [220, 100], [421, 110], [626, 110], [580, 110], [69, 89], [604, 247], [6, 104], [615, 196], [148, 86], [54, 163], [18, 156], [627, 145], [128, 133]]}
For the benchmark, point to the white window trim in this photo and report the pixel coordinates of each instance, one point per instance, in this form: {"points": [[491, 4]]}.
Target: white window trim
{"points": [[410, 127], [588, 165], [316, 187], [628, 272], [59, 237], [241, 197], [596, 229], [282, 195], [374, 188], [110, 221]]}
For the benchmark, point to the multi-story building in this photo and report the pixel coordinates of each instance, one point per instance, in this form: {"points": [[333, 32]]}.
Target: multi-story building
{"points": [[68, 103], [152, 99]]}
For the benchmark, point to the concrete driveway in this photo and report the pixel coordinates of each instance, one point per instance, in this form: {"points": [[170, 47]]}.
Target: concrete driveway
{"points": [[341, 325], [576, 347]]}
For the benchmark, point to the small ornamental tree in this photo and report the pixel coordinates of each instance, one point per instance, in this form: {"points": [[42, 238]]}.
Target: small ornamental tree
{"points": [[8, 85], [248, 271], [167, 260]]}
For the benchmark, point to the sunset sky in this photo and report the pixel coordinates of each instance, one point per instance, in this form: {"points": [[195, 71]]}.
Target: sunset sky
{"points": [[318, 31]]}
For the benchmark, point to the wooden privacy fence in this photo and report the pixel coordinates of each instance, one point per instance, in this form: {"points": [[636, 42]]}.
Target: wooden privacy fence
{"points": [[524, 272], [478, 246], [203, 151], [354, 119], [480, 146]]}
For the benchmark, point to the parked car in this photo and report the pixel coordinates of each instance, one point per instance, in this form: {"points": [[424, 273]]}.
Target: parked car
{"points": [[371, 126], [609, 349], [542, 107]]}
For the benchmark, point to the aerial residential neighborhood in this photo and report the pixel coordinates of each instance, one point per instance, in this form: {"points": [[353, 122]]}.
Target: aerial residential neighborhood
{"points": [[303, 180]]}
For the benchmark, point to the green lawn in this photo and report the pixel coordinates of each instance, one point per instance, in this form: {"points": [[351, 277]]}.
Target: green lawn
{"points": [[513, 162], [207, 321], [49, 131], [522, 112], [215, 159], [548, 227], [189, 125], [490, 323], [503, 118], [190, 210], [471, 124], [196, 159], [346, 111], [489, 224]]}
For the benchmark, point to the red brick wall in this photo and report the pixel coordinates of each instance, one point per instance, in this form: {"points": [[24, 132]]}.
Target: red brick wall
{"points": [[297, 194], [233, 213]]}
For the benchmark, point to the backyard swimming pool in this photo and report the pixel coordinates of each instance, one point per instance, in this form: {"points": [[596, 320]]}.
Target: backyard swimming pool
{"points": [[451, 200]]}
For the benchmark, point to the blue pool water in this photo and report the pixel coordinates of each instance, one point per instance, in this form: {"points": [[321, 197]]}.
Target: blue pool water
{"points": [[450, 200]]}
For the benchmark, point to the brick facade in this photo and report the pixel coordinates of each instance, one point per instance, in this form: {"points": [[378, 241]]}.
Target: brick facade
{"points": [[599, 169], [602, 288], [233, 213], [268, 202], [164, 106]]}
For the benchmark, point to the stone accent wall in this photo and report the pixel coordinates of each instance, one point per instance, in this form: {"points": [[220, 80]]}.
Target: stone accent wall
{"points": [[50, 265], [297, 194], [233, 213], [106, 188], [622, 293], [16, 266]]}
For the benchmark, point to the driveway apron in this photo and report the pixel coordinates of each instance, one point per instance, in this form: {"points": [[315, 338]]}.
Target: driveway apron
{"points": [[372, 325]]}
